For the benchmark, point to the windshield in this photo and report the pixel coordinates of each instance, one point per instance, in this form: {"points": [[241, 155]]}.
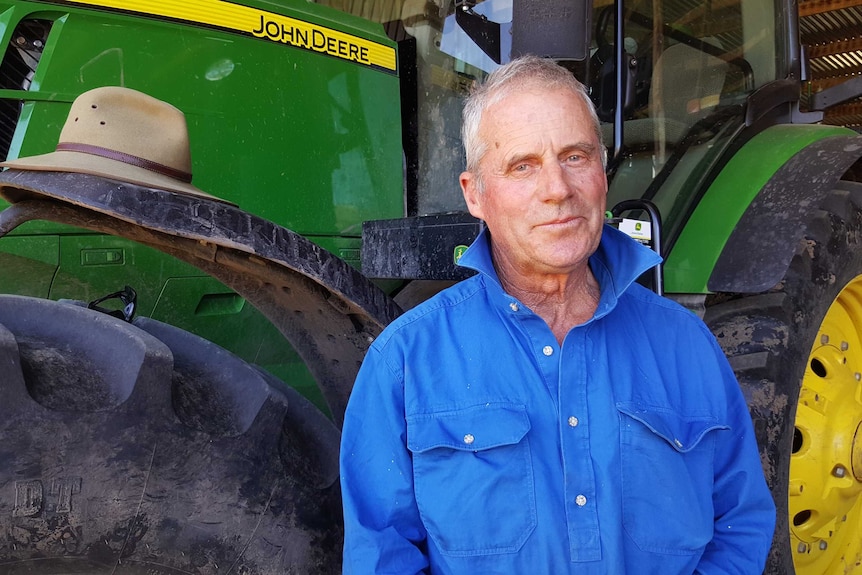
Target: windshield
{"points": [[689, 67]]}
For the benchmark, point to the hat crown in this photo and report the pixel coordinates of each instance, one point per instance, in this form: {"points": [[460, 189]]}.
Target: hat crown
{"points": [[122, 135], [130, 122]]}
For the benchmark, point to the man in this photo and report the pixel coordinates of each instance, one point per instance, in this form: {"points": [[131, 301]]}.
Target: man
{"points": [[548, 415]]}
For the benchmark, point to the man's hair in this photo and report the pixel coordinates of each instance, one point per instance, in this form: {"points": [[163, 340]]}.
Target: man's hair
{"points": [[525, 71]]}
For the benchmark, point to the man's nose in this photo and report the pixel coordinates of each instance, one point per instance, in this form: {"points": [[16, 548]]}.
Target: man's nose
{"points": [[555, 184]]}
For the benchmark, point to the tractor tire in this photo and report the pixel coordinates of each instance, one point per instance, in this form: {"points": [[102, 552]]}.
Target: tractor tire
{"points": [[138, 448], [797, 352]]}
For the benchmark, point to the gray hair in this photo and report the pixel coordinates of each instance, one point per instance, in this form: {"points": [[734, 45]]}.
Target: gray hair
{"points": [[517, 74]]}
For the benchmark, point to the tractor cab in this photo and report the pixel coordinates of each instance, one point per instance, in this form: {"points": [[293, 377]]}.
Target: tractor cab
{"points": [[689, 72]]}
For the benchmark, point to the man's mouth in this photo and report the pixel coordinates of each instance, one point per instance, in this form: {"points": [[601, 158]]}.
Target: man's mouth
{"points": [[559, 221]]}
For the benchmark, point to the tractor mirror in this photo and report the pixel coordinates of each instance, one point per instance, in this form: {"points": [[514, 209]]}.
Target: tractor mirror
{"points": [[484, 33], [558, 29]]}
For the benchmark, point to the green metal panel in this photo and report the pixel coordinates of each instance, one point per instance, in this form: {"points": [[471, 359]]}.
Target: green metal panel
{"points": [[28, 264], [695, 253], [91, 266], [308, 140]]}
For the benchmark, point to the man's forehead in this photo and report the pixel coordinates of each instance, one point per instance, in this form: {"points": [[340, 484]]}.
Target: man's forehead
{"points": [[538, 114], [535, 99]]}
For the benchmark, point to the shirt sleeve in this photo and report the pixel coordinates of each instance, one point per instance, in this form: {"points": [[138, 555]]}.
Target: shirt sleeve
{"points": [[383, 533], [744, 509]]}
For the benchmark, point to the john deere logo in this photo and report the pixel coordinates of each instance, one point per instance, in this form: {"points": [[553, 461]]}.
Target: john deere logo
{"points": [[638, 226], [459, 251]]}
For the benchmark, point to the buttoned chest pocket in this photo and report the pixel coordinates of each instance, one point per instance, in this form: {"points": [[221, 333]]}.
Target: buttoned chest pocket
{"points": [[667, 478], [473, 478]]}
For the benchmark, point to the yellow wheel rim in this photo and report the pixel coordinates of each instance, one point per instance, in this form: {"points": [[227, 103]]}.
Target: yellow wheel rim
{"points": [[825, 495]]}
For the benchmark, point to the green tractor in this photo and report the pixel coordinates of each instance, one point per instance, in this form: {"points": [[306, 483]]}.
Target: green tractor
{"points": [[201, 436]]}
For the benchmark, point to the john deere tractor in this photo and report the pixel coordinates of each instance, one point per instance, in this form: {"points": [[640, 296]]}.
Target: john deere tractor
{"points": [[173, 369]]}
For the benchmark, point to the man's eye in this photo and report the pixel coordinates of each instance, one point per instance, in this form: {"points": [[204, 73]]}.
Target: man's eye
{"points": [[521, 168]]}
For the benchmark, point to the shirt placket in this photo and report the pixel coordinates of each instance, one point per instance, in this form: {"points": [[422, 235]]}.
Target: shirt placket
{"points": [[578, 470], [564, 372]]}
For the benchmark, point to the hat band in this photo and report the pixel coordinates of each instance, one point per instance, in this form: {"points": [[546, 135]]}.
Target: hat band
{"points": [[126, 159]]}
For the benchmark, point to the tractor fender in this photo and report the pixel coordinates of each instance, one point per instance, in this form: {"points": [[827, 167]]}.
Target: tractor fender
{"points": [[327, 310], [763, 242]]}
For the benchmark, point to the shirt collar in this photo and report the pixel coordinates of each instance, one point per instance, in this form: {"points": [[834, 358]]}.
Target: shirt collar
{"points": [[616, 264]]}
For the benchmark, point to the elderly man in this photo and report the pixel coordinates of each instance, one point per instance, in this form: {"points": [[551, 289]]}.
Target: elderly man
{"points": [[548, 415]]}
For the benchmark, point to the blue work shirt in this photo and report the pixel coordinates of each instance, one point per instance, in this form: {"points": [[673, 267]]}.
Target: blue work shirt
{"points": [[474, 444]]}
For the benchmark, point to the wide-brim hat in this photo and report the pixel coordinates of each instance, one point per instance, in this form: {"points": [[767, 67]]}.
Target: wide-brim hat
{"points": [[122, 134]]}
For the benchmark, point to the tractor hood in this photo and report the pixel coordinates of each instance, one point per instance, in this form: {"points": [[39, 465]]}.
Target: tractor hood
{"points": [[324, 307]]}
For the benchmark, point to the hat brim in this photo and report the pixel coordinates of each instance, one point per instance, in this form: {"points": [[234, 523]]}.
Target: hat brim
{"points": [[79, 163]]}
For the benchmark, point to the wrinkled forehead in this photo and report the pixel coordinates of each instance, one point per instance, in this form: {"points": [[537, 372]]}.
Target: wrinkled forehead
{"points": [[541, 95]]}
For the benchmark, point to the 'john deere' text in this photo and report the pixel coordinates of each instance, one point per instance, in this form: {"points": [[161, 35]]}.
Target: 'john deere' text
{"points": [[312, 39]]}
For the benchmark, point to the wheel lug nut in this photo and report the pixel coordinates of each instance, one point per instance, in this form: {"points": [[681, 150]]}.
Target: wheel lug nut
{"points": [[858, 376], [802, 548], [845, 346], [824, 339], [839, 471], [823, 545]]}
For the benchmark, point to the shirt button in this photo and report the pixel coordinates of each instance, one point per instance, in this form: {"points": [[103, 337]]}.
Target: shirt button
{"points": [[548, 350], [468, 439], [513, 306], [573, 421], [581, 500]]}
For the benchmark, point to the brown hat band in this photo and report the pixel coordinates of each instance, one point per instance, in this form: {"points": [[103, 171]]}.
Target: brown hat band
{"points": [[126, 159]]}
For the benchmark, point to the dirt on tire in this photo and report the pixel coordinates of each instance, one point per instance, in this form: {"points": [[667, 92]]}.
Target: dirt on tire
{"points": [[140, 448]]}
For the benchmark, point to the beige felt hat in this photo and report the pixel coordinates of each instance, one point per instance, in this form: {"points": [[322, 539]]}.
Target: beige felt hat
{"points": [[124, 135]]}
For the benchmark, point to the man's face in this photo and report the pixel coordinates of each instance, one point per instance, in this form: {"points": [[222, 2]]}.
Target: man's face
{"points": [[544, 183]]}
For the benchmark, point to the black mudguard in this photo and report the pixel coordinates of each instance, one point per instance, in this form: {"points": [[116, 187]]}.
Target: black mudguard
{"points": [[325, 308], [760, 248]]}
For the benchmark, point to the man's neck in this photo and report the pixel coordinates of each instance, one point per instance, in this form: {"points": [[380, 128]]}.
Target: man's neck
{"points": [[562, 300]]}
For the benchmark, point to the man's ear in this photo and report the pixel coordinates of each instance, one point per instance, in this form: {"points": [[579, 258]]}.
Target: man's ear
{"points": [[472, 195]]}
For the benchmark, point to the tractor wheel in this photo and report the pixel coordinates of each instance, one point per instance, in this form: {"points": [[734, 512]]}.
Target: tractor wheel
{"points": [[143, 449], [797, 352]]}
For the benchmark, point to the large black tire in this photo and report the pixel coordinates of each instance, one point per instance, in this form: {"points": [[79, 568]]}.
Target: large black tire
{"points": [[773, 341], [144, 449]]}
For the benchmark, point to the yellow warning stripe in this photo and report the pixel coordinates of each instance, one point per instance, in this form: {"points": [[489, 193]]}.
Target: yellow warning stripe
{"points": [[262, 24]]}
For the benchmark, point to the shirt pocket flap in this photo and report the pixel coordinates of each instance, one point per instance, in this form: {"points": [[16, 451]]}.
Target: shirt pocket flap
{"points": [[682, 432], [470, 429]]}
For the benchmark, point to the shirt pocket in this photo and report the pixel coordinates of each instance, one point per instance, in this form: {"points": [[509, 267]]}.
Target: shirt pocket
{"points": [[667, 478], [473, 478]]}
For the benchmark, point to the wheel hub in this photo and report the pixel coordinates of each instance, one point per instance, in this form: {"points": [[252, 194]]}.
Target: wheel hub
{"points": [[825, 492]]}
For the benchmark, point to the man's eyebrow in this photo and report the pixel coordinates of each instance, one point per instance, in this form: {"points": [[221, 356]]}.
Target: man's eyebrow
{"points": [[587, 147], [520, 157]]}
